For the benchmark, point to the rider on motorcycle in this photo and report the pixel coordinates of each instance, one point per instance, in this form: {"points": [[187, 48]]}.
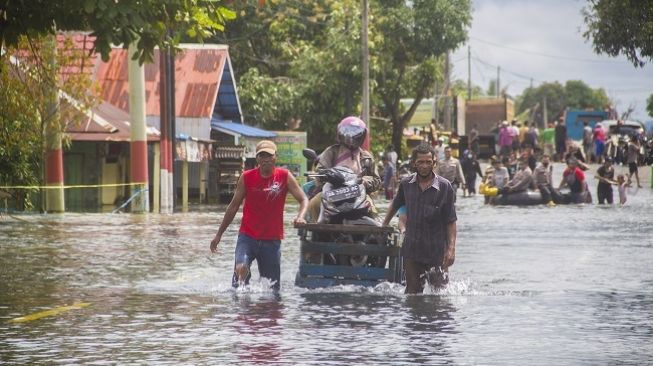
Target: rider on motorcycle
{"points": [[347, 152]]}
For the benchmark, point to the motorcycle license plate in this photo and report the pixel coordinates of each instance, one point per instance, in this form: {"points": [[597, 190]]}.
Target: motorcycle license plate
{"points": [[343, 193]]}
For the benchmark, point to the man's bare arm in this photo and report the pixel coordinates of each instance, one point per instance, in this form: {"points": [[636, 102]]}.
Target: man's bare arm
{"points": [[230, 213], [450, 252], [297, 192]]}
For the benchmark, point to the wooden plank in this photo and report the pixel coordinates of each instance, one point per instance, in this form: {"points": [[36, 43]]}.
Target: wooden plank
{"points": [[357, 273], [314, 282], [349, 229], [349, 249]]}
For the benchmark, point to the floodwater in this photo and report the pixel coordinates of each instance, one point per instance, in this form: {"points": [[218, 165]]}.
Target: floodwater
{"points": [[570, 285]]}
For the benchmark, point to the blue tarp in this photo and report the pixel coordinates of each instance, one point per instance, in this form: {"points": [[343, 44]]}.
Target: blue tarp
{"points": [[241, 129]]}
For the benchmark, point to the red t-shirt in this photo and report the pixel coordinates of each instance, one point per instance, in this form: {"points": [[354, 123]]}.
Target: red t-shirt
{"points": [[264, 203]]}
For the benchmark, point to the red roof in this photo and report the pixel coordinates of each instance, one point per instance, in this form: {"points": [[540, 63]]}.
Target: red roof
{"points": [[198, 71]]}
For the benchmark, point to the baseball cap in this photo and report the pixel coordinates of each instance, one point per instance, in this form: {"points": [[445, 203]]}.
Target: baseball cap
{"points": [[266, 146]]}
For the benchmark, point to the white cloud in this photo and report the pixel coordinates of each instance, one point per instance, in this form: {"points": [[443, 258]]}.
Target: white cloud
{"points": [[543, 40]]}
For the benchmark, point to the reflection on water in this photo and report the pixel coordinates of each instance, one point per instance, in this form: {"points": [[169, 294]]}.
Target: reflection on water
{"points": [[568, 285]]}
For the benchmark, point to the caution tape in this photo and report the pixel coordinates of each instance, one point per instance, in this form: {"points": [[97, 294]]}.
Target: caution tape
{"points": [[51, 312], [74, 186]]}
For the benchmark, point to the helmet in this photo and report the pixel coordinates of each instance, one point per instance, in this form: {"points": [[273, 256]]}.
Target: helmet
{"points": [[351, 132]]}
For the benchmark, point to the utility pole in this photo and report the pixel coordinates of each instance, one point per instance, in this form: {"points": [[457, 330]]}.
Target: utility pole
{"points": [[531, 83], [498, 81], [545, 118], [366, 67], [469, 72], [434, 112], [447, 100]]}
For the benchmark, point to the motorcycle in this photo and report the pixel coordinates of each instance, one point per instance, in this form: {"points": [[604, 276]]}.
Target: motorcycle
{"points": [[343, 201]]}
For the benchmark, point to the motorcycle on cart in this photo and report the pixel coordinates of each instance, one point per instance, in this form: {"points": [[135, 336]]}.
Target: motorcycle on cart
{"points": [[345, 244]]}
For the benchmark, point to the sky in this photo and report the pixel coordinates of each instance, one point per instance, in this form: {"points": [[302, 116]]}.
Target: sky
{"points": [[543, 40]]}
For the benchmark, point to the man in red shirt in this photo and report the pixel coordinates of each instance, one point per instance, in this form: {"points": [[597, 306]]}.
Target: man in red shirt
{"points": [[574, 178], [264, 191]]}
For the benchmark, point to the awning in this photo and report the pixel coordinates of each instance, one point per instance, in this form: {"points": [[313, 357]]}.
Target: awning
{"points": [[241, 129]]}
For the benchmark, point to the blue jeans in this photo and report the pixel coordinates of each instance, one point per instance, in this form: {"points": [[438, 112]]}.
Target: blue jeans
{"points": [[267, 254]]}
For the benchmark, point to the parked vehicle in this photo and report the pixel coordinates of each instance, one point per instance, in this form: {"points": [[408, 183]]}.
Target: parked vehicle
{"points": [[619, 134]]}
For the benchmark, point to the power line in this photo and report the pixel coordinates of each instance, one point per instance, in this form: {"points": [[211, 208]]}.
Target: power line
{"points": [[544, 54]]}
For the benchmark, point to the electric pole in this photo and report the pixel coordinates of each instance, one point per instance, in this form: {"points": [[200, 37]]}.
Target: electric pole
{"points": [[447, 99], [366, 67], [469, 72]]}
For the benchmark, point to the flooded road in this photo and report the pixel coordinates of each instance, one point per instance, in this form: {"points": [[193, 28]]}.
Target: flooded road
{"points": [[567, 285]]}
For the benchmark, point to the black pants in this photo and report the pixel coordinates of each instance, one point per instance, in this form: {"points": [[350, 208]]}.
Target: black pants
{"points": [[604, 193], [471, 184]]}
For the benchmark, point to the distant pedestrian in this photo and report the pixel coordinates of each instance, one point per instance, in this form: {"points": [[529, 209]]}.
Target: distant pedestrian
{"points": [[389, 178], [574, 178], [450, 169], [471, 168], [599, 142], [392, 155], [473, 143], [548, 139], [622, 185], [587, 142], [505, 139], [263, 190], [605, 176], [632, 156], [542, 176], [429, 246]]}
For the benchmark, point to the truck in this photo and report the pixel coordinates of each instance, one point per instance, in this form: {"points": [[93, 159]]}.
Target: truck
{"points": [[574, 119]]}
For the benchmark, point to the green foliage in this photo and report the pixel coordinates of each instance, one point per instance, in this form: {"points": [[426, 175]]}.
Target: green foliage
{"points": [[574, 94], [269, 100], [649, 105], [32, 74], [411, 38], [116, 22], [308, 57], [621, 27]]}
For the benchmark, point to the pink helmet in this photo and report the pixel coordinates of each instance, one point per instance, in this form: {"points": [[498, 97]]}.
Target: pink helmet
{"points": [[351, 132]]}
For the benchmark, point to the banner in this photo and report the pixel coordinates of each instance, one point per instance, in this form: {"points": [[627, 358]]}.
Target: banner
{"points": [[289, 152]]}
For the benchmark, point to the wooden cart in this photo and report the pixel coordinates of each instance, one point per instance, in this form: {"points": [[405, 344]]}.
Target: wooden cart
{"points": [[324, 248]]}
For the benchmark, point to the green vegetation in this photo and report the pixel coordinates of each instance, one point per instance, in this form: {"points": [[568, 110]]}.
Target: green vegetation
{"points": [[115, 22], [574, 94], [621, 27], [307, 56], [32, 113]]}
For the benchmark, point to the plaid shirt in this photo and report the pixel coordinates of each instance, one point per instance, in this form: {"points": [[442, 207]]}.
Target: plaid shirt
{"points": [[428, 213]]}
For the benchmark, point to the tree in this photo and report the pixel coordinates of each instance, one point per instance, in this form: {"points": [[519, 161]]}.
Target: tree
{"points": [[579, 95], [115, 22], [649, 105], [532, 99], [410, 40], [621, 27], [26, 111], [574, 94]]}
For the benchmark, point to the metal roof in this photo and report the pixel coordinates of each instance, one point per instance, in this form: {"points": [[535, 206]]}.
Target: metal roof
{"points": [[106, 123], [241, 129], [198, 76]]}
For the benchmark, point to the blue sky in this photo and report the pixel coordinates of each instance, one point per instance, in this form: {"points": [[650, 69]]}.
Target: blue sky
{"points": [[543, 40]]}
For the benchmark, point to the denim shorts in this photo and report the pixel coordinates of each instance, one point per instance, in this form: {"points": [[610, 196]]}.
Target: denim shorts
{"points": [[267, 254]]}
